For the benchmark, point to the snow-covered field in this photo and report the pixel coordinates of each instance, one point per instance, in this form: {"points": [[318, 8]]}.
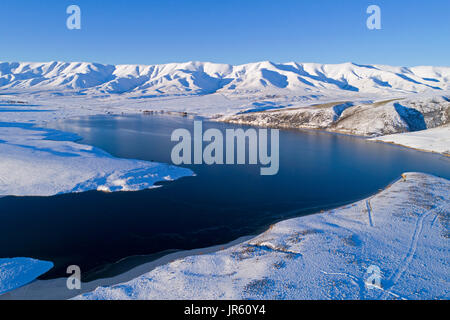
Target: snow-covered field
{"points": [[432, 140], [403, 232], [17, 272]]}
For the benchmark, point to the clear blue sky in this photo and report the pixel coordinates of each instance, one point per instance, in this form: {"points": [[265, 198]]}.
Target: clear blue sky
{"points": [[414, 32]]}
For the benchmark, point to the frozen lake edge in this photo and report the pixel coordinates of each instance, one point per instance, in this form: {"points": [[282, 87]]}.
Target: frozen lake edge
{"points": [[301, 258]]}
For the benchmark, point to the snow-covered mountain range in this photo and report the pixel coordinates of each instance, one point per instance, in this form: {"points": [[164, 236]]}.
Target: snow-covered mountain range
{"points": [[194, 78], [366, 100]]}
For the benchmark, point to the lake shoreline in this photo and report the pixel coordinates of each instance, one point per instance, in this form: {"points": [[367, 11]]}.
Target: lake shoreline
{"points": [[56, 289]]}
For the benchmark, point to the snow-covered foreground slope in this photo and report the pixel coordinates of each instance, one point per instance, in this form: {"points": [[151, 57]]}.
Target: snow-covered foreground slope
{"points": [[17, 272], [433, 140], [403, 231], [33, 165]]}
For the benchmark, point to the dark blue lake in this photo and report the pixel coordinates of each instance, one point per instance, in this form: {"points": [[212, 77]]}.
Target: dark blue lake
{"points": [[95, 230]]}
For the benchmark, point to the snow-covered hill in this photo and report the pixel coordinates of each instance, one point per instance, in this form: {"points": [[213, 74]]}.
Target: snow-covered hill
{"points": [[364, 119], [204, 78]]}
